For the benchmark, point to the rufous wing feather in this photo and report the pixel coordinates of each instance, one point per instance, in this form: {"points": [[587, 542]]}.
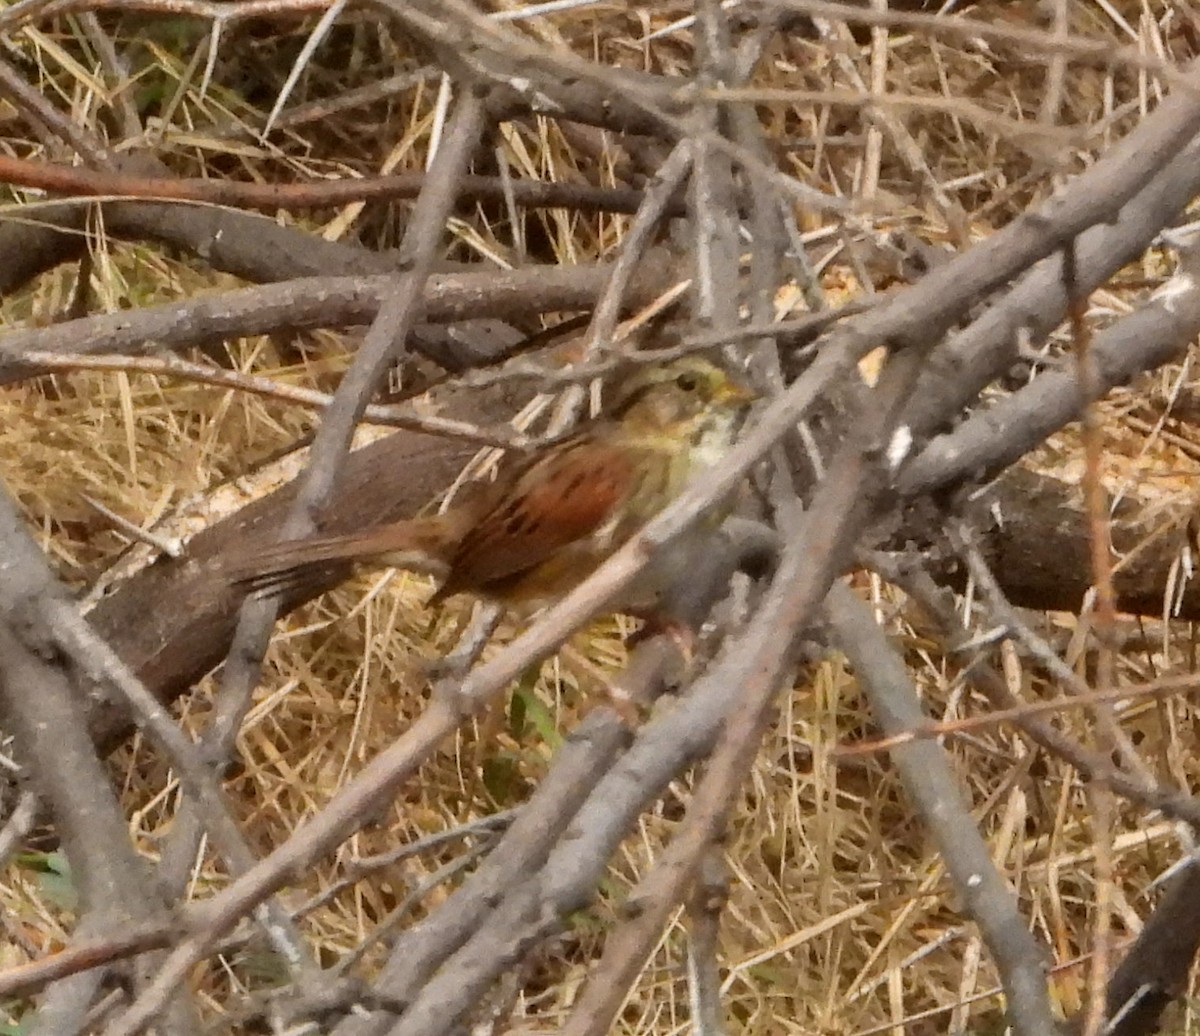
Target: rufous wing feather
{"points": [[559, 499]]}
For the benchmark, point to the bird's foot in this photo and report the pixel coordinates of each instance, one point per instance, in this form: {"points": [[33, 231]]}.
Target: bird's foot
{"points": [[656, 625]]}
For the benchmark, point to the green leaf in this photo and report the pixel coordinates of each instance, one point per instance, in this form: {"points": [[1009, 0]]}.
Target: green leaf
{"points": [[532, 712], [54, 877]]}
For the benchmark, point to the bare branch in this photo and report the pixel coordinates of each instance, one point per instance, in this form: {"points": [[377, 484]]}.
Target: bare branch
{"points": [[992, 439], [40, 703], [299, 305], [934, 791]]}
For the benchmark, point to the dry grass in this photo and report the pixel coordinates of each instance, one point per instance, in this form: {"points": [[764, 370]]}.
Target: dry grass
{"points": [[840, 917]]}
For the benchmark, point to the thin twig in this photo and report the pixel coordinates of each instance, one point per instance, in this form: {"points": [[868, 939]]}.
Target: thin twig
{"points": [[665, 184], [1092, 766], [173, 366], [43, 115], [172, 548], [99, 184]]}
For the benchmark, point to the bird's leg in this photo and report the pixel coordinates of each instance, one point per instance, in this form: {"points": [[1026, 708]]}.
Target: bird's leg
{"points": [[447, 672]]}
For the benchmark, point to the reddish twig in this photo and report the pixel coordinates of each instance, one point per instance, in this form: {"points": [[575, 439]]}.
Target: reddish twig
{"points": [[77, 182]]}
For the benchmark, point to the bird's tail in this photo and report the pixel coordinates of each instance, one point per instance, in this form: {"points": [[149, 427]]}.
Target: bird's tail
{"points": [[282, 567]]}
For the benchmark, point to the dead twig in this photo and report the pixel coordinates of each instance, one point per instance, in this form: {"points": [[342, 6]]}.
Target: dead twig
{"points": [[72, 181], [934, 791]]}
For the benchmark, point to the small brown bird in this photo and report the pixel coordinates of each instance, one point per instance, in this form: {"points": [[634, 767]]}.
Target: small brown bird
{"points": [[550, 519]]}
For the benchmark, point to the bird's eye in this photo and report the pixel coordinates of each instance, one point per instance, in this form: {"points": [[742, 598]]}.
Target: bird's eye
{"points": [[688, 382]]}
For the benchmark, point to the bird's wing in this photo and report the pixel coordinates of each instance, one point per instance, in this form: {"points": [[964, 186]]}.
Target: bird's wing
{"points": [[559, 498]]}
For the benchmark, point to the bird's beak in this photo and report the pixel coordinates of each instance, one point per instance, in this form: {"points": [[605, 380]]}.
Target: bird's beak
{"points": [[734, 393]]}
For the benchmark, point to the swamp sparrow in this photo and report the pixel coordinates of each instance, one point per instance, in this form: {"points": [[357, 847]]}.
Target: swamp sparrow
{"points": [[552, 517]]}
